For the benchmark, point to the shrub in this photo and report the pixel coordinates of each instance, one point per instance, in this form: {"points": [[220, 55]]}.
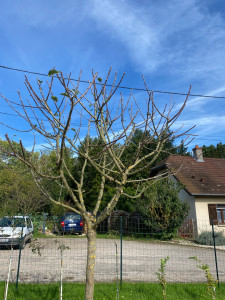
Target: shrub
{"points": [[205, 238], [37, 222], [162, 209]]}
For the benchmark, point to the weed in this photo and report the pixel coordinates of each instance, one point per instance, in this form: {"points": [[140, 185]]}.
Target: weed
{"points": [[161, 276], [62, 247], [36, 246], [211, 282], [113, 233]]}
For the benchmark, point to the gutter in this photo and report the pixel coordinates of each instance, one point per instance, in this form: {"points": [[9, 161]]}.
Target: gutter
{"points": [[221, 195]]}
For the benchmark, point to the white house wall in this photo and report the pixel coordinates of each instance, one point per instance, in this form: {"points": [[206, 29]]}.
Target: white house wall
{"points": [[186, 197], [202, 213], [199, 209]]}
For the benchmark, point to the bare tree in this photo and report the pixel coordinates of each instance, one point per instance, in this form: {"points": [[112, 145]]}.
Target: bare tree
{"points": [[99, 112]]}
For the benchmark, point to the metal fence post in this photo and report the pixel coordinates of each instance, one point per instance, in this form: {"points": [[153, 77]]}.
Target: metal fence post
{"points": [[121, 251], [44, 222], [214, 244], [20, 249]]}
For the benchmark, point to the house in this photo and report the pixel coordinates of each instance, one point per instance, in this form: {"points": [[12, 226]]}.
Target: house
{"points": [[203, 179]]}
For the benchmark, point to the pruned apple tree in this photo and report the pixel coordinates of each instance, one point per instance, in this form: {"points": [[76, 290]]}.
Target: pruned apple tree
{"points": [[68, 115]]}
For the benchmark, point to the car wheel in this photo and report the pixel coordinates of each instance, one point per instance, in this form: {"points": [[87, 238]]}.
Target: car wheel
{"points": [[23, 243], [29, 241], [55, 230], [80, 233]]}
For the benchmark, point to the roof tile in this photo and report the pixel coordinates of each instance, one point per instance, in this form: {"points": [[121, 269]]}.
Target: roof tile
{"points": [[200, 178]]}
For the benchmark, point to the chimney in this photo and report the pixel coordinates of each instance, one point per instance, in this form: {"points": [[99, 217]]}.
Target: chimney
{"points": [[197, 154]]}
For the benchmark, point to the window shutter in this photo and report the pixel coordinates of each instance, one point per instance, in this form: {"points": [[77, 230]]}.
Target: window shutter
{"points": [[212, 214]]}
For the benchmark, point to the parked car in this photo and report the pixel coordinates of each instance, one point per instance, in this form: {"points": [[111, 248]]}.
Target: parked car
{"points": [[15, 230], [70, 223]]}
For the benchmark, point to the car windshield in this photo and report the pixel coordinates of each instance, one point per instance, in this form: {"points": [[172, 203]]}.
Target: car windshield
{"points": [[73, 217], [12, 222]]}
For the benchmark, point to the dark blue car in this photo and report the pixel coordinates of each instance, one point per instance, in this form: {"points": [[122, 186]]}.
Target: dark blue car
{"points": [[72, 223]]}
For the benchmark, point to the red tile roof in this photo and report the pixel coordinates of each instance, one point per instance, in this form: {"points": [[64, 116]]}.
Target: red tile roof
{"points": [[199, 178]]}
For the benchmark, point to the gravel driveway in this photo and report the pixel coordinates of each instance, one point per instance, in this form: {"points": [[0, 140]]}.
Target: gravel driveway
{"points": [[140, 261]]}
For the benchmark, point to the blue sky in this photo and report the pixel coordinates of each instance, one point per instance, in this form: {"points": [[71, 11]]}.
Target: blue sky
{"points": [[172, 43]]}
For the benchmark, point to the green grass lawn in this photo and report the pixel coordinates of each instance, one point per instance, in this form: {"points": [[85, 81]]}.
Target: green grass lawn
{"points": [[129, 291]]}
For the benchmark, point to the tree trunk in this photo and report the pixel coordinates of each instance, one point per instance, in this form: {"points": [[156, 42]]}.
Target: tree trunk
{"points": [[90, 269]]}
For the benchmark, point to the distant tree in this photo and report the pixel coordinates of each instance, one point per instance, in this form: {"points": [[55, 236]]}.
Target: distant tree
{"points": [[217, 151], [162, 208], [63, 121], [19, 194], [91, 177], [47, 162], [182, 149], [5, 157], [139, 136]]}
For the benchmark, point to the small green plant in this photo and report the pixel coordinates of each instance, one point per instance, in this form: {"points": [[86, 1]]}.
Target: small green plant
{"points": [[37, 222], [113, 233], [161, 276], [62, 247], [36, 246], [211, 282]]}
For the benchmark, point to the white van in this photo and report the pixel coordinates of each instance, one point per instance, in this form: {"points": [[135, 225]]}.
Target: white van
{"points": [[15, 230]]}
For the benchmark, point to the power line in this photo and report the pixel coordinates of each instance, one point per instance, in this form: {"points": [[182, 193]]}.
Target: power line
{"points": [[121, 87], [8, 114], [15, 115], [200, 125], [84, 126]]}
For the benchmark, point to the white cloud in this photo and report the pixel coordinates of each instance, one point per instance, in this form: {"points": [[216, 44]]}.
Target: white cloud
{"points": [[38, 147], [209, 130], [128, 25], [179, 36], [197, 103], [208, 121]]}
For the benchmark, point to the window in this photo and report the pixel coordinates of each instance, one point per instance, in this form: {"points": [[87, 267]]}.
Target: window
{"points": [[73, 217], [29, 223], [217, 213], [220, 208]]}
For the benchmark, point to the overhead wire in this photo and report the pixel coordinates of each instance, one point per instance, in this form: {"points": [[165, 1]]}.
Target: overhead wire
{"points": [[121, 87]]}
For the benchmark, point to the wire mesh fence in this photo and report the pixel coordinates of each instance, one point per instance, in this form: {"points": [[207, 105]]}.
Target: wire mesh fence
{"points": [[140, 249]]}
